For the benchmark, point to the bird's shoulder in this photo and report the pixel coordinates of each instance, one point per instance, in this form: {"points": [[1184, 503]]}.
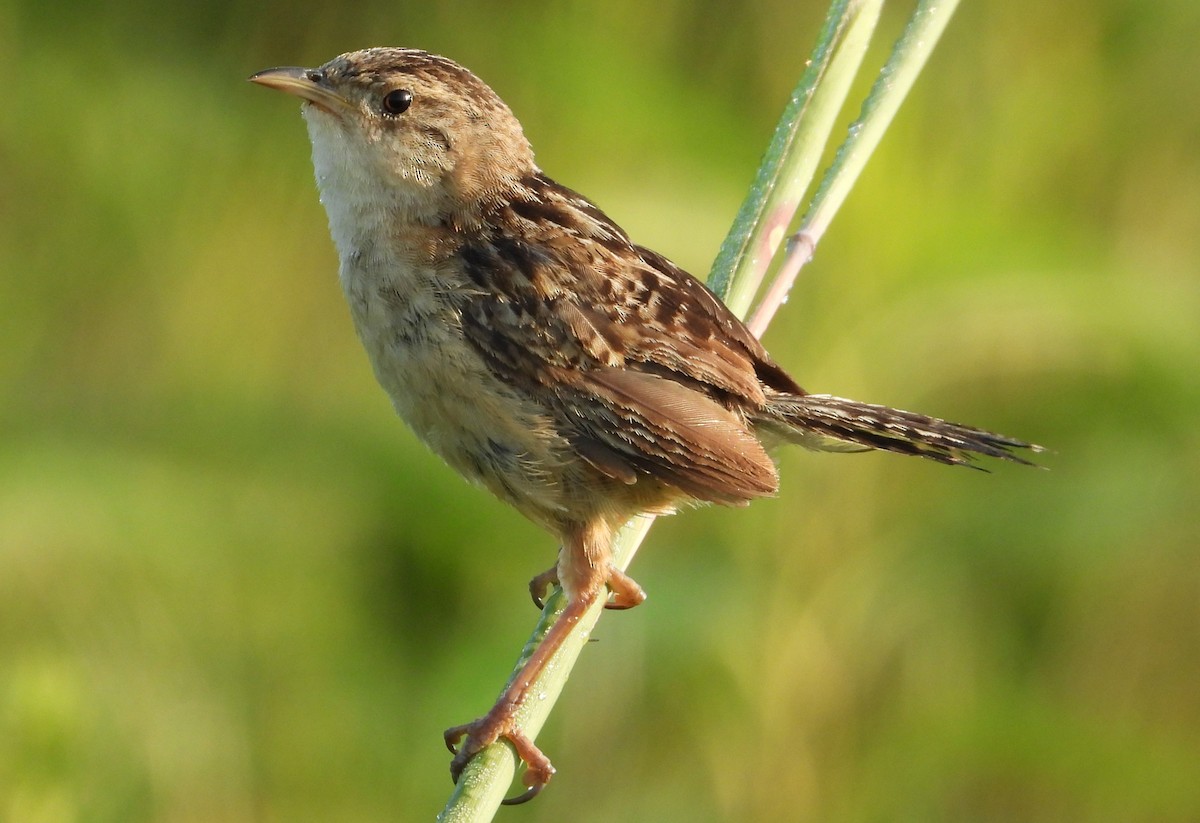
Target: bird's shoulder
{"points": [[559, 289]]}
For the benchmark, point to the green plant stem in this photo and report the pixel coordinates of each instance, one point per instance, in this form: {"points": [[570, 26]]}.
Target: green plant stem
{"points": [[795, 150], [786, 173], [488, 776], [908, 57]]}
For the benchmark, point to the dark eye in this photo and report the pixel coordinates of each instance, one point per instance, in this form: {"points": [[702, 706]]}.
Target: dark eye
{"points": [[397, 101]]}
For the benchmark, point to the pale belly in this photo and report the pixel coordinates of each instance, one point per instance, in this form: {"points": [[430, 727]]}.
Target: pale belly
{"points": [[443, 390]]}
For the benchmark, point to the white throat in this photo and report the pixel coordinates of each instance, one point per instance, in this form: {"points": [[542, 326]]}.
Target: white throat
{"points": [[363, 199]]}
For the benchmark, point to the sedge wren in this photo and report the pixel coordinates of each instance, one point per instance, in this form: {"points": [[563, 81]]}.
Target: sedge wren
{"points": [[523, 336]]}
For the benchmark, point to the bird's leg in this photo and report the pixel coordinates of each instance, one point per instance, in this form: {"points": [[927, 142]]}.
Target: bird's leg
{"points": [[584, 568]]}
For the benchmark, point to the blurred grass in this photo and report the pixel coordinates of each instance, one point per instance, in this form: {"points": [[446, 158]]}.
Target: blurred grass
{"points": [[232, 587]]}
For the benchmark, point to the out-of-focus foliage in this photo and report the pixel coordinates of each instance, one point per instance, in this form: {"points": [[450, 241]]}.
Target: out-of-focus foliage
{"points": [[233, 588]]}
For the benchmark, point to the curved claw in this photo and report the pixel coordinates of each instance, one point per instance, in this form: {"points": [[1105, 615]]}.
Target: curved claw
{"points": [[524, 797], [452, 736], [541, 584]]}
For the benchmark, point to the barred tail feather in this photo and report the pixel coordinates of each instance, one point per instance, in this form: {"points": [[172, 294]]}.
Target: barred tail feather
{"points": [[828, 423]]}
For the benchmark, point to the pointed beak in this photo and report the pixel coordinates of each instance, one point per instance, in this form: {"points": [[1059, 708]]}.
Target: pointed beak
{"points": [[307, 84]]}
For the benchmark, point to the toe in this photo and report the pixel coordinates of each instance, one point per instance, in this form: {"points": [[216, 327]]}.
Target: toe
{"points": [[624, 591], [538, 768]]}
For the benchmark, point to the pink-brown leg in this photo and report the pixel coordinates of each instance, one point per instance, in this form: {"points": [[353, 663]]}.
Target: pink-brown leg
{"points": [[583, 569]]}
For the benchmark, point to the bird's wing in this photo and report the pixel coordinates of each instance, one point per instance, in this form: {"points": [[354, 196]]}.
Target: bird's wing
{"points": [[648, 372]]}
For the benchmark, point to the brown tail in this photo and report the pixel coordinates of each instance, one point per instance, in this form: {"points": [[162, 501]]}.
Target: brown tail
{"points": [[821, 421]]}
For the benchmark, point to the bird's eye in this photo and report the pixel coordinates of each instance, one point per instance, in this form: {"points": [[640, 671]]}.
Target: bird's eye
{"points": [[397, 101]]}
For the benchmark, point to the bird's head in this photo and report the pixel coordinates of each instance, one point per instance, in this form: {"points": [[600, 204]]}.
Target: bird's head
{"points": [[409, 125]]}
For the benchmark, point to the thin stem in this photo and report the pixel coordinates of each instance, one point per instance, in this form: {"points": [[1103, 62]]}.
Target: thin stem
{"points": [[786, 173], [908, 57], [795, 150], [487, 778]]}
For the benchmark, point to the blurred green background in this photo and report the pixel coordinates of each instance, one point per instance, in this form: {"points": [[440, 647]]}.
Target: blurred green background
{"points": [[233, 587]]}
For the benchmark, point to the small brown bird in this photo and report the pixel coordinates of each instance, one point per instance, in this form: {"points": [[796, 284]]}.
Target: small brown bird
{"points": [[580, 377]]}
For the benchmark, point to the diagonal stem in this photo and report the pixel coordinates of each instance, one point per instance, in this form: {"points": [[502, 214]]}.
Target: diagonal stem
{"points": [[791, 160], [741, 265], [908, 57]]}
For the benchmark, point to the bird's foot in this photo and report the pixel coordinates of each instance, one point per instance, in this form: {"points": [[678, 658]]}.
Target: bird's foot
{"points": [[500, 724], [624, 591]]}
